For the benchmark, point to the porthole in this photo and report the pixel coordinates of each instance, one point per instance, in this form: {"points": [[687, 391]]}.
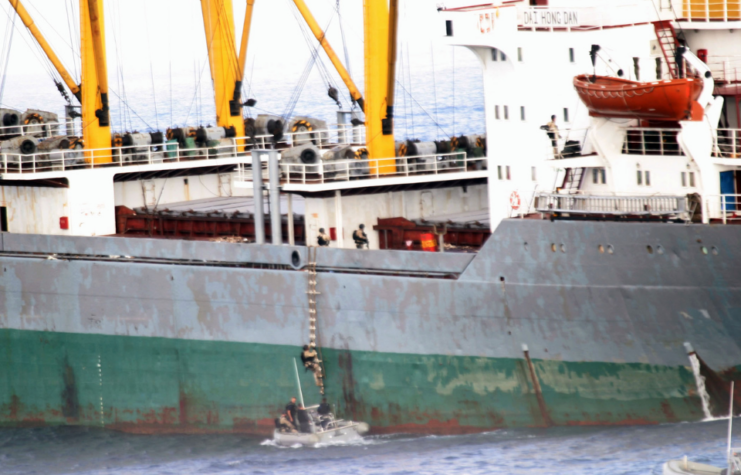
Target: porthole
{"points": [[610, 249], [704, 250], [714, 250], [501, 278], [650, 249], [553, 247], [525, 245], [601, 249]]}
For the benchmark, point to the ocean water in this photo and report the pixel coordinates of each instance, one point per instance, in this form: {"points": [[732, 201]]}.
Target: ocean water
{"points": [[572, 450]]}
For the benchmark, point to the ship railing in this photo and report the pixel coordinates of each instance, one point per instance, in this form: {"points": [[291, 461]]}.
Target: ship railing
{"points": [[656, 205], [727, 143], [651, 141], [726, 208], [76, 159], [41, 131], [338, 134], [333, 171], [725, 69], [569, 144], [583, 18], [708, 10]]}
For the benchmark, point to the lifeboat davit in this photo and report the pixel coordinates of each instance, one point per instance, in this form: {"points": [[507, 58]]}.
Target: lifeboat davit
{"points": [[670, 100]]}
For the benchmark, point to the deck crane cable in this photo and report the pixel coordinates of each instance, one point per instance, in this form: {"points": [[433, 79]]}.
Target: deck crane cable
{"points": [[434, 121], [314, 48], [409, 74], [5, 56], [74, 46], [37, 51], [313, 59], [151, 70], [344, 42], [434, 85], [409, 79]]}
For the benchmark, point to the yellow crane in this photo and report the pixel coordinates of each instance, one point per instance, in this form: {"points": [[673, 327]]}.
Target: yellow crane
{"points": [[227, 67], [381, 24], [92, 92]]}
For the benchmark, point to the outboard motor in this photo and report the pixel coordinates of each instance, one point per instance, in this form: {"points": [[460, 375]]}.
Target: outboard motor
{"points": [[308, 130], [38, 122], [10, 119]]}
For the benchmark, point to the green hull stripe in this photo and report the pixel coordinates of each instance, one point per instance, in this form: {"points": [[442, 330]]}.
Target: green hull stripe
{"points": [[160, 385]]}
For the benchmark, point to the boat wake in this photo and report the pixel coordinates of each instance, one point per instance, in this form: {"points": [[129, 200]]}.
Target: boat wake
{"points": [[334, 443]]}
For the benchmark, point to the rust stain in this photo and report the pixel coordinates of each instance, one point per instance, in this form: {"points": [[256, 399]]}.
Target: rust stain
{"points": [[70, 401], [668, 413], [547, 421]]}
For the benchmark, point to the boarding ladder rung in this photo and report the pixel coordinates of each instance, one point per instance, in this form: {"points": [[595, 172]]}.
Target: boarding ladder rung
{"points": [[312, 292]]}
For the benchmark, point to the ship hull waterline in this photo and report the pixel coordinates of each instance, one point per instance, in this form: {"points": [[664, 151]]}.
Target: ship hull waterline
{"points": [[185, 348]]}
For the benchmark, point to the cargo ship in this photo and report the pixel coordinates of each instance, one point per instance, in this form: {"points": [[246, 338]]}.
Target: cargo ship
{"points": [[585, 274]]}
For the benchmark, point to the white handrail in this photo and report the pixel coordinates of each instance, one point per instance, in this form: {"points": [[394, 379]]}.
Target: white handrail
{"points": [[333, 171]]}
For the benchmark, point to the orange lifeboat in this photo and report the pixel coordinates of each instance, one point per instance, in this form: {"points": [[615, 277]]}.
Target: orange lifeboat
{"points": [[670, 100]]}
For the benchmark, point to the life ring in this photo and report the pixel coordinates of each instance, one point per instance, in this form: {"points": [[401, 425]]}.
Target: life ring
{"points": [[514, 200]]}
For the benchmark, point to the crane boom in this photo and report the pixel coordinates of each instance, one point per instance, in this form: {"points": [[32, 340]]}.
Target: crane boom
{"points": [[321, 37], [28, 21]]}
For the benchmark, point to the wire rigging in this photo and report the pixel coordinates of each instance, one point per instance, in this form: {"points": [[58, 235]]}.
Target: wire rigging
{"points": [[5, 58]]}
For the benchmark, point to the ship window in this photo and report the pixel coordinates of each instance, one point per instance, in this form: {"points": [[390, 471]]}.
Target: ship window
{"points": [[565, 114], [692, 178], [494, 54], [648, 178], [4, 219], [533, 173], [522, 112], [684, 179], [598, 176], [639, 177], [448, 27], [506, 112], [496, 112], [509, 177], [519, 54], [502, 56], [499, 171], [571, 55]]}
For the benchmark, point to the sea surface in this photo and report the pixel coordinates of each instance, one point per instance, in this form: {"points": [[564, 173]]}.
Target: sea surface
{"points": [[563, 450]]}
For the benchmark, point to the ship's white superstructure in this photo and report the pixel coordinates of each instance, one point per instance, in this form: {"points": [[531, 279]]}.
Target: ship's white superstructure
{"points": [[529, 53], [529, 56]]}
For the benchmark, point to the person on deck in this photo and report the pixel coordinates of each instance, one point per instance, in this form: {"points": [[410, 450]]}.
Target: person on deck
{"points": [[553, 134], [311, 361], [304, 422], [324, 410], [284, 425], [360, 238], [322, 239], [291, 411]]}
